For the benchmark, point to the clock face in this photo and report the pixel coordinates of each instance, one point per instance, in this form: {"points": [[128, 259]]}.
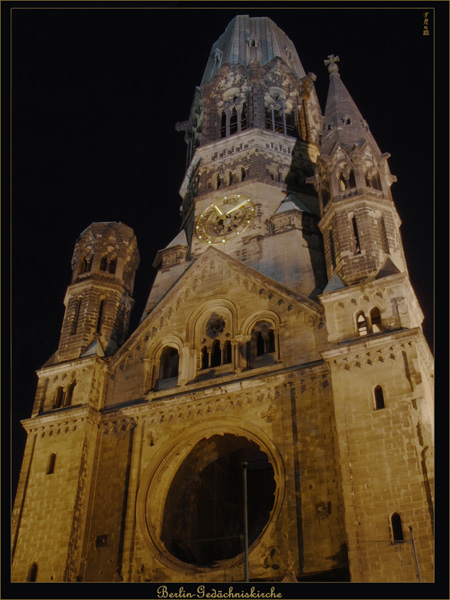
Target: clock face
{"points": [[224, 219]]}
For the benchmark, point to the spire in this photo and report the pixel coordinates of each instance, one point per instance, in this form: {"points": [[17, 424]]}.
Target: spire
{"points": [[248, 39], [343, 123]]}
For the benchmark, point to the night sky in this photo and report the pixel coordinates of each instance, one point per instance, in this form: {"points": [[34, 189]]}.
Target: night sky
{"points": [[96, 94]]}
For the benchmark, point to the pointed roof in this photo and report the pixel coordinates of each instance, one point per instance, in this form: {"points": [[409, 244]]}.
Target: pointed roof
{"points": [[179, 240], [291, 203], [388, 268], [94, 349], [343, 123], [252, 38], [335, 283]]}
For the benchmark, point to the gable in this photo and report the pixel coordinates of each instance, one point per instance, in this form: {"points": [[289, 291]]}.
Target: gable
{"points": [[217, 282]]}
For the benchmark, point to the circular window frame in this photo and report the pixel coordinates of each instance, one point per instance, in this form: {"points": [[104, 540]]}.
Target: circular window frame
{"points": [[158, 477]]}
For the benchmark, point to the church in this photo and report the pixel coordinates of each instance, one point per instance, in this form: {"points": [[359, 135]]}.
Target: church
{"points": [[271, 418]]}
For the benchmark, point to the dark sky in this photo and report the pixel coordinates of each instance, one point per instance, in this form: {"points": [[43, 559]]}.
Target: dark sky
{"points": [[96, 93]]}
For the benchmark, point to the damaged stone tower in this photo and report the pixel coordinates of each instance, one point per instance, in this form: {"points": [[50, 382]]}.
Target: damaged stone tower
{"points": [[281, 341]]}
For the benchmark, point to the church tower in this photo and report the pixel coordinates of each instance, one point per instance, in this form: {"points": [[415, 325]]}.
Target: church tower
{"points": [[279, 369]]}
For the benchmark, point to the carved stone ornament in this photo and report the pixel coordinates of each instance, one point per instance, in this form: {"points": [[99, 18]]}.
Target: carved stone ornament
{"points": [[215, 325]]}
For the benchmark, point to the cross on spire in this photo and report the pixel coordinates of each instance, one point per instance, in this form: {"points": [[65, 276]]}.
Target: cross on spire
{"points": [[331, 63]]}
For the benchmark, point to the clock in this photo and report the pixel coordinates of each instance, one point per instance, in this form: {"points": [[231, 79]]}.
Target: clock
{"points": [[225, 219]]}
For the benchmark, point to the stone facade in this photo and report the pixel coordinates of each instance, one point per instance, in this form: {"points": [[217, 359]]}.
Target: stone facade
{"points": [[281, 345]]}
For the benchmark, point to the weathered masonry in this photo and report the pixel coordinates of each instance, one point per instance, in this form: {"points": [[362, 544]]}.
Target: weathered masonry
{"points": [[281, 332]]}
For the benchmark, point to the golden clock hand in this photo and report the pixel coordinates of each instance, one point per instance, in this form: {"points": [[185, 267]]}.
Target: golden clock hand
{"points": [[236, 207], [218, 209]]}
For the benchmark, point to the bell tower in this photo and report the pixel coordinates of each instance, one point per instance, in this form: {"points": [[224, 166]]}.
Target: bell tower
{"points": [[359, 224], [279, 365], [252, 138], [98, 301]]}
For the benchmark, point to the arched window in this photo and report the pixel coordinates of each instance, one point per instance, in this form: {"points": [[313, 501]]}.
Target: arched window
{"points": [[216, 354], [112, 265], [262, 343], [218, 181], [378, 397], [233, 121], [373, 179], [226, 353], [32, 573], [351, 180], [361, 324], [69, 394], [375, 320], [376, 182], [85, 264], [168, 364], [205, 358], [58, 397], [243, 174], [51, 464], [260, 346], [223, 125], [397, 529], [291, 125], [104, 263], [278, 117]]}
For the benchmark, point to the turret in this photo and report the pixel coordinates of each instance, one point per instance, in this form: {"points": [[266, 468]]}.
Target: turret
{"points": [[98, 300], [360, 225]]}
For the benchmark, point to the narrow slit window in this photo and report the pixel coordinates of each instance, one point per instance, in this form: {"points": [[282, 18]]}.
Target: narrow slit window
{"points": [[233, 121], [101, 311], [32, 573], [383, 235], [244, 117], [76, 316], [356, 236], [378, 397], [51, 464], [223, 125], [332, 249], [397, 529]]}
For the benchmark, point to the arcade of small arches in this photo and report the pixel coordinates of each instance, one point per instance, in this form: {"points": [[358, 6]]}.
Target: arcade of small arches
{"points": [[107, 264], [346, 181], [218, 352], [229, 177], [370, 323], [277, 118]]}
